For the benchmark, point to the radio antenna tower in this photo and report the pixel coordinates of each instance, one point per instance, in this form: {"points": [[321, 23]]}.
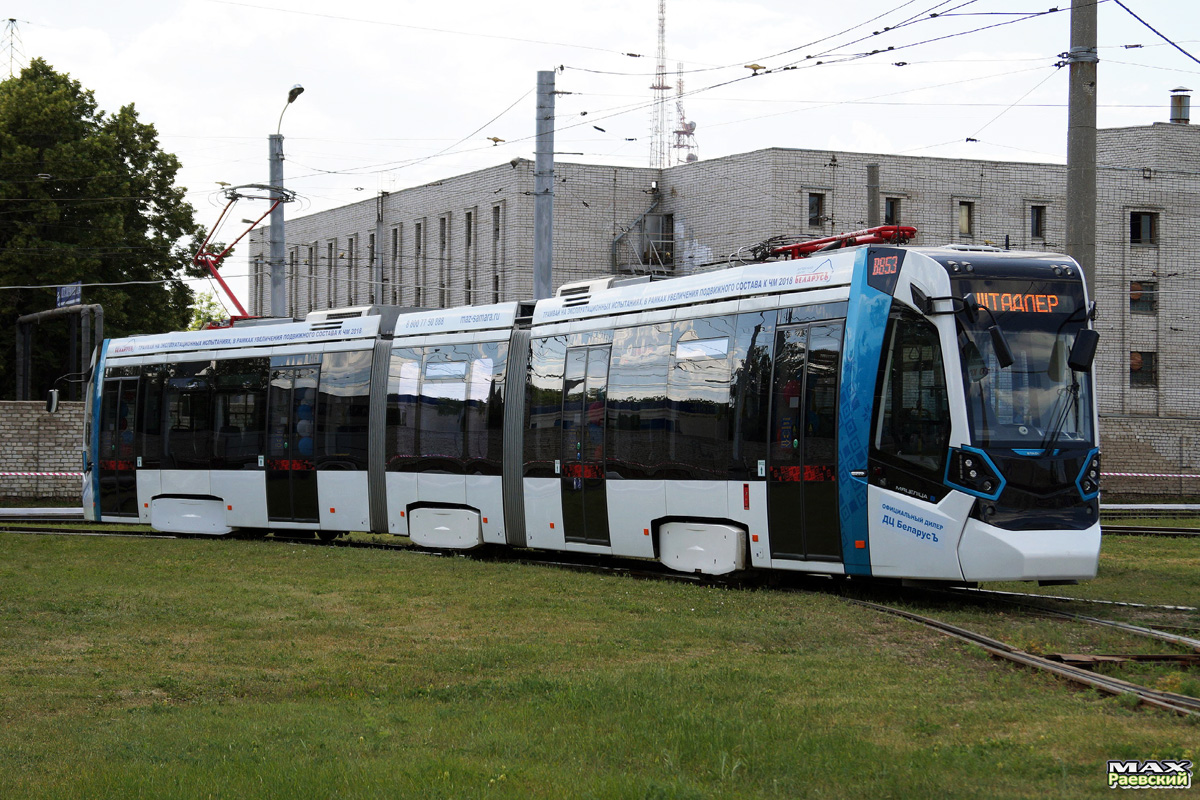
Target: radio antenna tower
{"points": [[685, 131], [658, 154], [12, 39]]}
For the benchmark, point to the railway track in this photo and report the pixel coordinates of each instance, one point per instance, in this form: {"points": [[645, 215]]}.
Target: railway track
{"points": [[1147, 530], [1167, 701], [1073, 668]]}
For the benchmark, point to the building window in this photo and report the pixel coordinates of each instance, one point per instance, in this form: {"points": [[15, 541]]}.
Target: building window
{"points": [[469, 256], [1143, 227], [1143, 368], [891, 211], [443, 253], [352, 282], [816, 209], [332, 282], [966, 218], [312, 277], [1037, 222], [293, 281], [371, 266], [419, 268], [1143, 297], [497, 250], [397, 287]]}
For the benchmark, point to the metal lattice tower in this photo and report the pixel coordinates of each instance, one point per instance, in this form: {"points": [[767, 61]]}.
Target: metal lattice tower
{"points": [[12, 41], [685, 130], [659, 157]]}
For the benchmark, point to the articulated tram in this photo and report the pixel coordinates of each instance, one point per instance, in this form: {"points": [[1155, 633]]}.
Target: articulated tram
{"points": [[901, 412]]}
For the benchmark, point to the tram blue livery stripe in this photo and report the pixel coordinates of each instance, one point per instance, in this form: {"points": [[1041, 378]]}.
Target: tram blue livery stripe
{"points": [[94, 448], [866, 322]]}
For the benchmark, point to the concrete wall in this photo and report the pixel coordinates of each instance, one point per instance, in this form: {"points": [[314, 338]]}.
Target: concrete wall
{"points": [[33, 441]]}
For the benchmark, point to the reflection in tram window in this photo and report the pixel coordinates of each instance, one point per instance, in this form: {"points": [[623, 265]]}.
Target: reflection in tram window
{"points": [[445, 408]]}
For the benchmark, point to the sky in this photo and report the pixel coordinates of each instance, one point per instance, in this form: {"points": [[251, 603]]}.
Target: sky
{"points": [[402, 93]]}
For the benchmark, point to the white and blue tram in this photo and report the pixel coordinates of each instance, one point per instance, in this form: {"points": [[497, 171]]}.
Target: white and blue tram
{"points": [[904, 412]]}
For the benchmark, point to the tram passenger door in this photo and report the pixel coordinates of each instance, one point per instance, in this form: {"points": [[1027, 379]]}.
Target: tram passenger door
{"points": [[585, 391], [802, 497], [291, 469], [118, 478]]}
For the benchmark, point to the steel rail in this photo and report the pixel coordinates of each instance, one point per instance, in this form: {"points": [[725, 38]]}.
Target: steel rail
{"points": [[1147, 530], [1031, 596], [1167, 701]]}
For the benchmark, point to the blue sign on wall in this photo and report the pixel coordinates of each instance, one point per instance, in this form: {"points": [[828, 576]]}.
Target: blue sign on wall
{"points": [[70, 295]]}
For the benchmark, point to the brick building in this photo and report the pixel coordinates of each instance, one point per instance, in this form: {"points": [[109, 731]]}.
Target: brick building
{"points": [[469, 240]]}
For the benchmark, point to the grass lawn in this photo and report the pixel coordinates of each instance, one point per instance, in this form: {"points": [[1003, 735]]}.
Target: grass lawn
{"points": [[232, 669]]}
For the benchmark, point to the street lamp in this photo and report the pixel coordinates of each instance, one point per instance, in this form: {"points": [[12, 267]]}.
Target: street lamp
{"points": [[275, 259]]}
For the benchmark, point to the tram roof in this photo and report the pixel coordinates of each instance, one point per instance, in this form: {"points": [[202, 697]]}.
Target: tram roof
{"points": [[772, 277]]}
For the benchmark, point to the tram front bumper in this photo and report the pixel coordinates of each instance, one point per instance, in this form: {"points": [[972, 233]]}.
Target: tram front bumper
{"points": [[988, 553]]}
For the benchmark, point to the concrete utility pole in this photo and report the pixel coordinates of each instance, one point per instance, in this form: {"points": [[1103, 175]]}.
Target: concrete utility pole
{"points": [[1081, 141], [543, 186], [275, 262], [872, 195]]}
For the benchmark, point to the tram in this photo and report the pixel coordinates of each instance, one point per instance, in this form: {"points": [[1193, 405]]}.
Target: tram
{"points": [[876, 410]]}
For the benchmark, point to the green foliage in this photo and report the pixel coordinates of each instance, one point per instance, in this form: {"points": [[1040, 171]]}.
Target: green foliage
{"points": [[89, 196], [206, 309]]}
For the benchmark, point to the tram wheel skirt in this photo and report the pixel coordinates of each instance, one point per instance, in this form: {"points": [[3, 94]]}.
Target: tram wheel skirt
{"points": [[707, 547], [453, 528], [183, 514]]}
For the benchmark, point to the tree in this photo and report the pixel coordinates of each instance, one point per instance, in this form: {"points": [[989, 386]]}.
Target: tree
{"points": [[89, 196], [206, 309]]}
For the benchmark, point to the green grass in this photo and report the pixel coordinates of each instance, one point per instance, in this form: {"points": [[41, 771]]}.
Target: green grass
{"points": [[230, 669]]}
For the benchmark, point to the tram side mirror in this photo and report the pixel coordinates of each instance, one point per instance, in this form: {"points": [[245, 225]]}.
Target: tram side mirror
{"points": [[52, 401], [970, 308], [1083, 351], [1003, 352]]}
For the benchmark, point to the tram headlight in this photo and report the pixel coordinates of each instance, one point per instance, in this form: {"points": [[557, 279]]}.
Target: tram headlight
{"points": [[973, 472], [1089, 477]]}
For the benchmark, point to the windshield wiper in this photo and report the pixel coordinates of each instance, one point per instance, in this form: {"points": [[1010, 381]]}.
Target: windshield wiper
{"points": [[1072, 394]]}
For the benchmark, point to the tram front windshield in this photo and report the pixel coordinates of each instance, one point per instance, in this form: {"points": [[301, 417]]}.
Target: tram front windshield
{"points": [[1038, 401]]}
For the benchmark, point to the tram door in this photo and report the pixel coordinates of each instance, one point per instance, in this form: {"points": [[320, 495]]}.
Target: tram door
{"points": [[118, 479], [585, 391], [291, 470], [802, 502]]}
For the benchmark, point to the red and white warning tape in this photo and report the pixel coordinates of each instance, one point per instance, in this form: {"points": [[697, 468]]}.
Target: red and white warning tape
{"points": [[41, 474], [1143, 475]]}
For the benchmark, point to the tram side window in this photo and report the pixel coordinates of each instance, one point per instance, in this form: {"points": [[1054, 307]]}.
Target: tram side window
{"points": [[150, 422], [750, 437], [700, 399], [446, 408], [543, 404], [638, 417], [239, 408], [485, 409], [187, 397], [912, 414], [404, 396], [343, 404], [441, 418]]}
